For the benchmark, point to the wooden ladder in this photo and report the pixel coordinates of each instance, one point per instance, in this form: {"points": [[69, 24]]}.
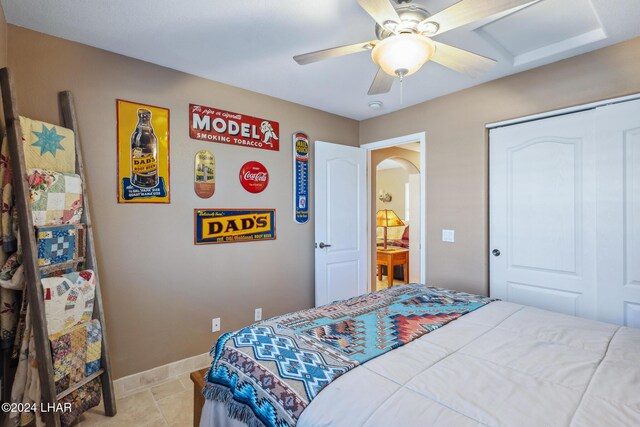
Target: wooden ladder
{"points": [[30, 251]]}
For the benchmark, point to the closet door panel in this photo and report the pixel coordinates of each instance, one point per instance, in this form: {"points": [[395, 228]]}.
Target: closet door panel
{"points": [[632, 204], [618, 215], [542, 203]]}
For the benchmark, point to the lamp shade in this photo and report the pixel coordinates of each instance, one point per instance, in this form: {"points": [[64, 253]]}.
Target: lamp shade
{"points": [[403, 54], [388, 218]]}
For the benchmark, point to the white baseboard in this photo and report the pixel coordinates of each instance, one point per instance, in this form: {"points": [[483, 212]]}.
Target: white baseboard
{"points": [[135, 382]]}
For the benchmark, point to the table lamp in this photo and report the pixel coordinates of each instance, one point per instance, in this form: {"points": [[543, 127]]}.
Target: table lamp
{"points": [[387, 218]]}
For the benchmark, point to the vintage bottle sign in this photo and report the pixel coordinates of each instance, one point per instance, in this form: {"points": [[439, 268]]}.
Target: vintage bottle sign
{"points": [[205, 174], [213, 125], [233, 225], [143, 153], [254, 177], [300, 178]]}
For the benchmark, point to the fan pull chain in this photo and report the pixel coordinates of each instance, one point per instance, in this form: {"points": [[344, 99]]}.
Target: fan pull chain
{"points": [[401, 72]]}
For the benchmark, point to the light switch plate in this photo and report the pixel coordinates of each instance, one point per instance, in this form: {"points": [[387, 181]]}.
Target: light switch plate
{"points": [[215, 324], [258, 314], [448, 235]]}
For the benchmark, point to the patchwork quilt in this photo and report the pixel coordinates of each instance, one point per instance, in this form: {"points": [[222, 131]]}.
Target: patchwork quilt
{"points": [[82, 399], [11, 272], [56, 198], [48, 146], [57, 270], [9, 306], [59, 244], [68, 299], [7, 206], [76, 353], [268, 373]]}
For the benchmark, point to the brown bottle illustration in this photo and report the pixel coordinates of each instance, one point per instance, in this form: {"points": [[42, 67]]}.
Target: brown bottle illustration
{"points": [[144, 151]]}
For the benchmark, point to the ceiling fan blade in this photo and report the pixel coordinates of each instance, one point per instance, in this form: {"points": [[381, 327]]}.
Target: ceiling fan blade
{"points": [[382, 83], [380, 10], [466, 11], [308, 58], [461, 60]]}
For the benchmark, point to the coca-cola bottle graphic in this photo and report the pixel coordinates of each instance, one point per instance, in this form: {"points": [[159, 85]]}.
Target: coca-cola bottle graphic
{"points": [[144, 152]]}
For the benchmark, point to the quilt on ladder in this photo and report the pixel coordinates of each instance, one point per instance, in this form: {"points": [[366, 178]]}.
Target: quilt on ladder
{"points": [[60, 243], [268, 373], [68, 299], [48, 146], [76, 353], [56, 198]]}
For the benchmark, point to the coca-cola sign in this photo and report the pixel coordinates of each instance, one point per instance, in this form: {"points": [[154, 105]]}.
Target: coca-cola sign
{"points": [[254, 177], [213, 125]]}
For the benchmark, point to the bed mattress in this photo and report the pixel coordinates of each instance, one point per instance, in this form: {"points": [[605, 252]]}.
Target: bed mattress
{"points": [[503, 364]]}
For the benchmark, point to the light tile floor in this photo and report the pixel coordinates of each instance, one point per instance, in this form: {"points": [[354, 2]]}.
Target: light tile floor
{"points": [[169, 403], [382, 284]]}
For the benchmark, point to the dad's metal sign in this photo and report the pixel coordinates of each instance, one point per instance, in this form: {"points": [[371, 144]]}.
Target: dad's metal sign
{"points": [[233, 225], [213, 125]]}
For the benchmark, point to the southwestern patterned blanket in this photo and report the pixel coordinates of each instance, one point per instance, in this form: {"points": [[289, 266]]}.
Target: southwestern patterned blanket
{"points": [[268, 373]]}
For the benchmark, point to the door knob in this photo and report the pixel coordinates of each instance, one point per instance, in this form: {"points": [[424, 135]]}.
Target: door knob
{"points": [[495, 252], [322, 245]]}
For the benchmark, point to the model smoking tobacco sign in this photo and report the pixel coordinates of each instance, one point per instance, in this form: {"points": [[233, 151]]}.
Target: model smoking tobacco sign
{"points": [[225, 127], [234, 225]]}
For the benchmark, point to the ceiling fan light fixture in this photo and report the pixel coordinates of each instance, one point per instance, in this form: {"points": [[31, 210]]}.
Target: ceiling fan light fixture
{"points": [[428, 28], [390, 25], [404, 53]]}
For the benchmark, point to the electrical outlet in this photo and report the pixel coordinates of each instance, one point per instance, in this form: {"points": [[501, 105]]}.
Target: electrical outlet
{"points": [[215, 324], [258, 314]]}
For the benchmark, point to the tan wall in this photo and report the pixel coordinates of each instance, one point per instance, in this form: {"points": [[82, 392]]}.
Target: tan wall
{"points": [[392, 181], [457, 147], [3, 39], [160, 290]]}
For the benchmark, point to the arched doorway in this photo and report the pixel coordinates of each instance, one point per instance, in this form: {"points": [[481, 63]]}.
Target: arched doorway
{"points": [[396, 187]]}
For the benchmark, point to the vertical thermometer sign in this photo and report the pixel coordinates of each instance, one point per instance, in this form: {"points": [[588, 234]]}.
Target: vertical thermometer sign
{"points": [[300, 178]]}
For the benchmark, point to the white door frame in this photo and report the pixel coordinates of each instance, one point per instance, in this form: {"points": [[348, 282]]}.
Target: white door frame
{"points": [[421, 138]]}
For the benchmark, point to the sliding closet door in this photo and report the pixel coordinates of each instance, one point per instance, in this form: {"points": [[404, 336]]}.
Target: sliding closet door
{"points": [[618, 195], [542, 214]]}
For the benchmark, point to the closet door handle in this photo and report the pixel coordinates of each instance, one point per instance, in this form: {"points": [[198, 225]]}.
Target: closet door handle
{"points": [[495, 252], [322, 245]]}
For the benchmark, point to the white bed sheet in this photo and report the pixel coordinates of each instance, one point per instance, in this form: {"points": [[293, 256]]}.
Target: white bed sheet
{"points": [[501, 365]]}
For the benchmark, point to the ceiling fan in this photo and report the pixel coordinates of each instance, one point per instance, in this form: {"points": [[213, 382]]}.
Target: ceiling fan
{"points": [[405, 41]]}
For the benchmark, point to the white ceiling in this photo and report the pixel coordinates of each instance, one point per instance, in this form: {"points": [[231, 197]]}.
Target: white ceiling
{"points": [[250, 43], [388, 164]]}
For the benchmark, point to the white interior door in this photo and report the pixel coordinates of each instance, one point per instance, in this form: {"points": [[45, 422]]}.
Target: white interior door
{"points": [[542, 221], [618, 135], [340, 221]]}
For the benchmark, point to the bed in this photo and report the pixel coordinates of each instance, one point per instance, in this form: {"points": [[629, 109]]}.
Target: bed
{"points": [[496, 363]]}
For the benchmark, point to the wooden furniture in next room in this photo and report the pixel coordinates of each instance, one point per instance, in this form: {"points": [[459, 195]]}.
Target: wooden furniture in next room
{"points": [[198, 399], [390, 258]]}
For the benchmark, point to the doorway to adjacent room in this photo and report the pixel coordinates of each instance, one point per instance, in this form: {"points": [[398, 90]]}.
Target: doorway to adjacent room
{"points": [[398, 204]]}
